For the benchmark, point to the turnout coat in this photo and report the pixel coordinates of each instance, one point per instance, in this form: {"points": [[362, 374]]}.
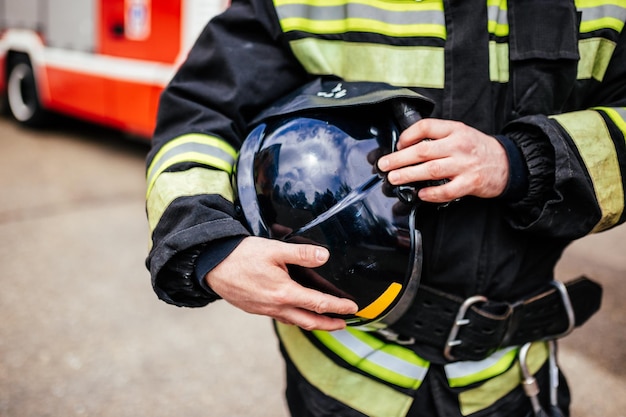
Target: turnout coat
{"points": [[549, 75]]}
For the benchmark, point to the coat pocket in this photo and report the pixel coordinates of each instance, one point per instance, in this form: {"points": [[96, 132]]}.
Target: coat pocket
{"points": [[543, 29]]}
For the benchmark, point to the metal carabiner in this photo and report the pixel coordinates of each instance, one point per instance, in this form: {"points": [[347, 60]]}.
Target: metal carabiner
{"points": [[395, 337], [529, 382]]}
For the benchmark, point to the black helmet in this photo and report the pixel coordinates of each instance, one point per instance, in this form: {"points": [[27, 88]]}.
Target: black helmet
{"points": [[309, 176]]}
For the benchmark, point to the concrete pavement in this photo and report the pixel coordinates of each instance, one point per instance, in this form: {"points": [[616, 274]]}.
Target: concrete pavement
{"points": [[82, 334]]}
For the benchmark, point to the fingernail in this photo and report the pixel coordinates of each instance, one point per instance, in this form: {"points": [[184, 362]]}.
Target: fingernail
{"points": [[321, 255], [383, 164]]}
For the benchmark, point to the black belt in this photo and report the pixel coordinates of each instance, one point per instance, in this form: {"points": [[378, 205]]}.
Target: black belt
{"points": [[473, 328]]}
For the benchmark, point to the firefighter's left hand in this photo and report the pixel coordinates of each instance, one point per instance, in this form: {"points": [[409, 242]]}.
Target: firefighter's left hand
{"points": [[475, 163]]}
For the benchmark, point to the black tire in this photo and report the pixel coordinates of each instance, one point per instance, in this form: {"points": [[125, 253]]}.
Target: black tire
{"points": [[22, 95]]}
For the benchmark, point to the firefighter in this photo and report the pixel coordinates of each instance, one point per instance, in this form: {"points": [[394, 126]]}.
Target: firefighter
{"points": [[523, 152]]}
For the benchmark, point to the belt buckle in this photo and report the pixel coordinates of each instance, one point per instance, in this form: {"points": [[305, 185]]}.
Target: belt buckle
{"points": [[459, 321], [569, 310]]}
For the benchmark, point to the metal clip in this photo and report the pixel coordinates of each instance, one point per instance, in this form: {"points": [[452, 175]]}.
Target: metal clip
{"points": [[459, 321], [554, 376], [569, 310], [529, 382], [394, 337]]}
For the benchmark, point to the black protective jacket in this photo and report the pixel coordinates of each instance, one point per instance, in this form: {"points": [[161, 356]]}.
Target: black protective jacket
{"points": [[557, 91]]}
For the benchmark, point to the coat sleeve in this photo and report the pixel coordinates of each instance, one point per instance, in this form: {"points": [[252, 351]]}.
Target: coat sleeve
{"points": [[228, 77], [587, 147]]}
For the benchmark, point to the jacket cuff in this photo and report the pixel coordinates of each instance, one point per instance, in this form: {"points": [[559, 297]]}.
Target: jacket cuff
{"points": [[175, 283], [210, 257], [538, 154], [517, 185]]}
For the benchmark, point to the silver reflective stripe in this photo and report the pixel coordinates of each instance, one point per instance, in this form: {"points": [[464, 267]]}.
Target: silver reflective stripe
{"points": [[598, 14], [498, 18], [401, 366], [467, 372], [361, 392], [398, 19], [190, 147], [355, 10], [378, 357]]}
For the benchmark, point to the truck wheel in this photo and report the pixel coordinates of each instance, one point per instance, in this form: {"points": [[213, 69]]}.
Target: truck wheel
{"points": [[22, 95]]}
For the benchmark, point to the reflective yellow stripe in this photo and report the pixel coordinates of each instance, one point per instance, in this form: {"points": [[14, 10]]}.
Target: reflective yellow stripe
{"points": [[198, 148], [593, 141], [598, 3], [498, 25], [195, 181], [498, 29], [499, 62], [364, 394], [361, 25], [381, 303], [396, 6], [595, 56], [389, 362], [401, 366], [461, 374], [410, 66], [615, 195], [603, 23], [400, 65], [617, 115], [484, 396]]}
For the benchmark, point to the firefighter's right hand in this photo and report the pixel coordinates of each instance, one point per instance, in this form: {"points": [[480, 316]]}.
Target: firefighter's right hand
{"points": [[254, 278]]}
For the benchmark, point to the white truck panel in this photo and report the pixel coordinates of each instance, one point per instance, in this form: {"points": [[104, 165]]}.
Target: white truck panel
{"points": [[71, 24], [20, 14]]}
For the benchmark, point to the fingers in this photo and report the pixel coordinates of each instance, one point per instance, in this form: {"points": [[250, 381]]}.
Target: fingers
{"points": [[413, 155], [431, 149], [310, 321], [307, 308], [255, 278], [419, 143], [432, 129], [321, 303], [309, 256], [435, 169], [444, 193]]}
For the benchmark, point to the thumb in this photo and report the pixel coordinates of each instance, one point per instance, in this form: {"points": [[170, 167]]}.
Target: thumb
{"points": [[306, 255]]}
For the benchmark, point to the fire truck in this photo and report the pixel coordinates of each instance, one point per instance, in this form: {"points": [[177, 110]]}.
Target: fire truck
{"points": [[104, 61]]}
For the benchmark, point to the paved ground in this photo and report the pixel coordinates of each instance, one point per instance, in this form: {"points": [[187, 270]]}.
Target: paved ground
{"points": [[81, 333]]}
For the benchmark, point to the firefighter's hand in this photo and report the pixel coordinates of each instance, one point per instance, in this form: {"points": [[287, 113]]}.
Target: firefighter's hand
{"points": [[254, 278], [475, 163]]}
